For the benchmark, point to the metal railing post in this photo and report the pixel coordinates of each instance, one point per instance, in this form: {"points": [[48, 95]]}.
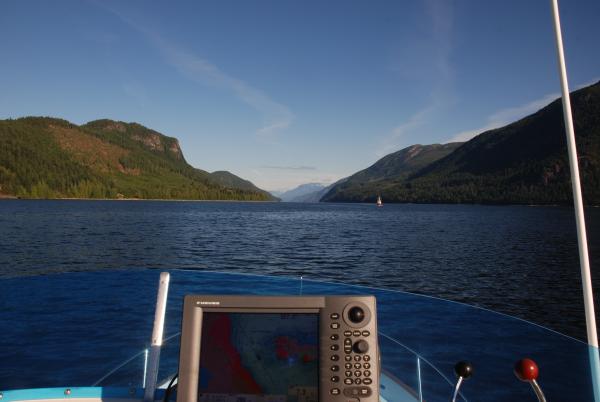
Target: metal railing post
{"points": [[157, 337], [419, 379], [145, 367]]}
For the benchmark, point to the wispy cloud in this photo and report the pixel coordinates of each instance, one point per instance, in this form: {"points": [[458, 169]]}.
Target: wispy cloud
{"points": [[588, 83], [399, 133], [289, 167], [135, 91], [441, 14], [509, 115], [276, 116], [431, 58], [424, 55], [505, 116]]}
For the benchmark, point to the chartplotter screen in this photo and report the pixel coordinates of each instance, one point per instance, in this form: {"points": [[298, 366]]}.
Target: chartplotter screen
{"points": [[259, 357]]}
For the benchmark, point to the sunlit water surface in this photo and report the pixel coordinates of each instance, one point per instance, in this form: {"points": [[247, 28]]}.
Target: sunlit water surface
{"points": [[518, 260]]}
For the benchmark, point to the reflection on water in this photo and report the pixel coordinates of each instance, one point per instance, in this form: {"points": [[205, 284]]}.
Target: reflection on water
{"points": [[515, 259]]}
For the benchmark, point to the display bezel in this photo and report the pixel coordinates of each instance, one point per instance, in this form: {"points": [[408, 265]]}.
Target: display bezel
{"points": [[196, 306]]}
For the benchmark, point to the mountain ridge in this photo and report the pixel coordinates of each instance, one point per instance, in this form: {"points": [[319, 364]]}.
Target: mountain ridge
{"points": [[394, 167], [524, 162], [302, 193], [45, 157]]}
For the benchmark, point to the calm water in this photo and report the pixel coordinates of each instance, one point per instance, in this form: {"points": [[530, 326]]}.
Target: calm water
{"points": [[518, 260]]}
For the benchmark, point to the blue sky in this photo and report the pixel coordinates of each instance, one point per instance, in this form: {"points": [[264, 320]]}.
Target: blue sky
{"points": [[284, 93]]}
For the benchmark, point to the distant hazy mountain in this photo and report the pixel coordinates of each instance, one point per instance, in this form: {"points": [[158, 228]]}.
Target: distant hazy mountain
{"points": [[276, 193], [315, 196], [524, 162], [42, 157], [302, 193]]}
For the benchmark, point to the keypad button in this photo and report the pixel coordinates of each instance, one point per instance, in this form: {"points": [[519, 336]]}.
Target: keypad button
{"points": [[335, 391], [347, 342], [334, 347], [355, 392], [347, 350], [367, 381], [348, 381], [348, 358], [335, 325], [334, 316], [357, 373], [367, 373], [347, 333], [335, 358], [357, 365], [356, 333], [348, 373], [335, 378], [348, 366], [335, 368], [334, 337], [357, 358], [357, 381], [367, 365], [366, 333], [367, 358]]}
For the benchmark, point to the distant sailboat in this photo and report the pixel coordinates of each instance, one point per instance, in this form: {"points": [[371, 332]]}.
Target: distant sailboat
{"points": [[379, 203]]}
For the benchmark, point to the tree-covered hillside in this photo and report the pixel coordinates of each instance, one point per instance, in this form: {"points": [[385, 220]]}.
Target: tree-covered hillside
{"points": [[44, 157], [525, 162], [228, 179], [387, 172]]}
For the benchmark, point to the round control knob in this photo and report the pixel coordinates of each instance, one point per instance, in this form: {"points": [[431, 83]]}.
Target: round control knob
{"points": [[526, 370], [361, 346], [463, 369], [356, 314]]}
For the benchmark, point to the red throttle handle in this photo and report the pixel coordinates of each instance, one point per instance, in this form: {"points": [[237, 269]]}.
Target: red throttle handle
{"points": [[528, 371]]}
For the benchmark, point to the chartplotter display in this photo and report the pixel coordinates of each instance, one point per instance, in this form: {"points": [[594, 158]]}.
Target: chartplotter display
{"points": [[271, 354], [278, 349]]}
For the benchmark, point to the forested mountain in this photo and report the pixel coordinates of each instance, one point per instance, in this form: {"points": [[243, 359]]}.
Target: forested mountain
{"points": [[230, 180], [387, 172], [524, 162], [42, 157]]}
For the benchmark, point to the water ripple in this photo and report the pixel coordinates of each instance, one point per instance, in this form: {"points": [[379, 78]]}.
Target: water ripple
{"points": [[518, 260]]}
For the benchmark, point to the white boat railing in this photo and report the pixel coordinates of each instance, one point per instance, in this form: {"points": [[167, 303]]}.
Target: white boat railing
{"points": [[131, 359], [417, 358]]}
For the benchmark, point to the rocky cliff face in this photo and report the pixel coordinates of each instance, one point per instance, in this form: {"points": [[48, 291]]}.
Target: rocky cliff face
{"points": [[159, 143], [151, 139]]}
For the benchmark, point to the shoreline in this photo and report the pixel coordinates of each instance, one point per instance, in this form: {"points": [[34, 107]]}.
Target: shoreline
{"points": [[124, 199], [4, 197]]}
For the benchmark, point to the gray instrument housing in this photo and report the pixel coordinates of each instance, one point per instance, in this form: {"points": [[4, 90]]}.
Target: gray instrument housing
{"points": [[336, 332]]}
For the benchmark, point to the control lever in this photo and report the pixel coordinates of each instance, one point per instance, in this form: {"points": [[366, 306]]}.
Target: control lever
{"points": [[526, 370], [463, 371]]}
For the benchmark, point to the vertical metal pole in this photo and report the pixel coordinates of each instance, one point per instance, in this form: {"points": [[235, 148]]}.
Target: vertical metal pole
{"points": [[145, 367], [419, 379], [157, 337], [588, 297], [584, 262]]}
